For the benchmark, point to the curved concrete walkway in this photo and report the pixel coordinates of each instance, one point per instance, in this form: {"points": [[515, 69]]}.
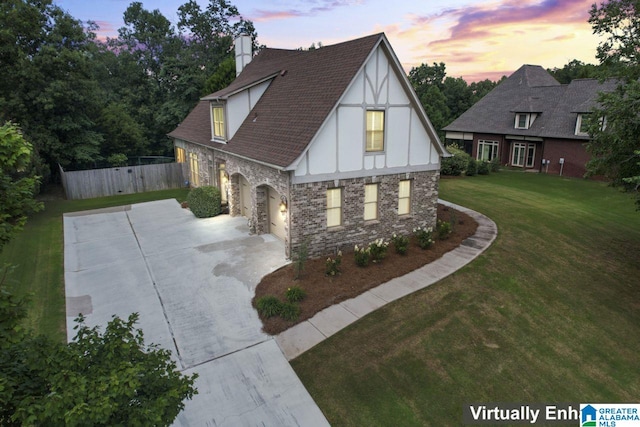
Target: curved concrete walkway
{"points": [[300, 338]]}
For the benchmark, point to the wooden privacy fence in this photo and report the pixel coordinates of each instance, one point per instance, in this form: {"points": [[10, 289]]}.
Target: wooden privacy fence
{"points": [[122, 180]]}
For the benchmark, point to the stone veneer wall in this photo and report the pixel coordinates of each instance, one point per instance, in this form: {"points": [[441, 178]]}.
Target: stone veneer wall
{"points": [[308, 220], [259, 176]]}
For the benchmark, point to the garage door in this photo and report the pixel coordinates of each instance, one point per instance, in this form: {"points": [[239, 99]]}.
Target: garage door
{"points": [[276, 218], [245, 197]]}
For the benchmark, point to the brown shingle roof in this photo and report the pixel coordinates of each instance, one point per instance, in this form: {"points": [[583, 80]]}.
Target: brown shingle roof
{"points": [[292, 109]]}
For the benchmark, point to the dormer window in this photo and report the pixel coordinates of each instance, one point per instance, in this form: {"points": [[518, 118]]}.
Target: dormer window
{"points": [[217, 122], [582, 125], [523, 121]]}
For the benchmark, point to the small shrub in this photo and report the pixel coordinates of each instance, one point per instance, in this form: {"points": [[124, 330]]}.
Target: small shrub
{"points": [[290, 311], [205, 201], [333, 265], [118, 160], [483, 168], [378, 250], [295, 294], [424, 237], [400, 243], [495, 165], [453, 219], [444, 229], [455, 165], [472, 167], [362, 256], [269, 306], [300, 259]]}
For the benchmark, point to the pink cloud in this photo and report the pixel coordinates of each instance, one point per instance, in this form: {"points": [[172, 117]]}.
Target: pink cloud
{"points": [[263, 15], [481, 21]]}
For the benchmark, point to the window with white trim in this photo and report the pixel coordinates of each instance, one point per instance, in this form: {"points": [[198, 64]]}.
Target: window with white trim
{"points": [[217, 121], [334, 207], [404, 197], [370, 202], [523, 121], [487, 150], [375, 131], [518, 154]]}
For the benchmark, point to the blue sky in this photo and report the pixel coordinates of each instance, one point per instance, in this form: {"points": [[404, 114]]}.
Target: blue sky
{"points": [[476, 39]]}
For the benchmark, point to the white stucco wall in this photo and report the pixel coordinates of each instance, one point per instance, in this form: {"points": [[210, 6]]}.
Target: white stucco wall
{"points": [[240, 104], [339, 147]]}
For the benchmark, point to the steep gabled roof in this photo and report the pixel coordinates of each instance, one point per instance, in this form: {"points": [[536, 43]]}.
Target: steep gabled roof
{"points": [[305, 86], [531, 89]]}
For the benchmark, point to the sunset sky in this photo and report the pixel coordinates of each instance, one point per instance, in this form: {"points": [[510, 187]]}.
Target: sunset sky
{"points": [[476, 39]]}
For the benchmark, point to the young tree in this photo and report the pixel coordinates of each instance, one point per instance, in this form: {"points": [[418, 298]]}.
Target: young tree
{"points": [[18, 185], [615, 123]]}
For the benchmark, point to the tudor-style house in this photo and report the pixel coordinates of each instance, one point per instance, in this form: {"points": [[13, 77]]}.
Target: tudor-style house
{"points": [[328, 147], [531, 121]]}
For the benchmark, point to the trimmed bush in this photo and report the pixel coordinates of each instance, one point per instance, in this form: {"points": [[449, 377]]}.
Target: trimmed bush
{"points": [[483, 168], [472, 167], [454, 166], [401, 243], [269, 306], [495, 165], [424, 237], [204, 201], [444, 229], [290, 311], [295, 294]]}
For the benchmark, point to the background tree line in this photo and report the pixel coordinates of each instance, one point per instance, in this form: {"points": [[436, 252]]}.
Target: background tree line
{"points": [[81, 101]]}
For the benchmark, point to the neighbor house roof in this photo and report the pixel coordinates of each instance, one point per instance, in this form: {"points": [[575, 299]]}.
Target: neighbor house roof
{"points": [[531, 89], [305, 87]]}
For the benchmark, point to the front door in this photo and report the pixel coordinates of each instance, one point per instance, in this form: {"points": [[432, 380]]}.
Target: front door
{"points": [[276, 218]]}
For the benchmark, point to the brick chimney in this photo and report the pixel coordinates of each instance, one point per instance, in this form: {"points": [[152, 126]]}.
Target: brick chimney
{"points": [[243, 52]]}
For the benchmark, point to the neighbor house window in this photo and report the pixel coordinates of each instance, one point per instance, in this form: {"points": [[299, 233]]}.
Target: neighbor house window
{"points": [[487, 150], [517, 157], [217, 118], [404, 197], [522, 121], [334, 207], [375, 131], [194, 168], [582, 124], [181, 155], [370, 202]]}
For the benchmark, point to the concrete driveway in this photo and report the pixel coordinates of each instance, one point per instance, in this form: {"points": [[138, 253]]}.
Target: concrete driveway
{"points": [[191, 280]]}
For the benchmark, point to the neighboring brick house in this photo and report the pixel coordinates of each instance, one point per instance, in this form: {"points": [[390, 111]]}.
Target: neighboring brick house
{"points": [[328, 146], [531, 121]]}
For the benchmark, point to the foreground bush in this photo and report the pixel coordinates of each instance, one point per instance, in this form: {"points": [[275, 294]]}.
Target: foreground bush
{"points": [[454, 166], [205, 201]]}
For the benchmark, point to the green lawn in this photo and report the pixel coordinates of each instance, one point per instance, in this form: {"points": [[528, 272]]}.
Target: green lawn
{"points": [[37, 253], [549, 313]]}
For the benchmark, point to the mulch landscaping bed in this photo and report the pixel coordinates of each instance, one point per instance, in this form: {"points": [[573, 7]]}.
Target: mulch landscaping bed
{"points": [[324, 291]]}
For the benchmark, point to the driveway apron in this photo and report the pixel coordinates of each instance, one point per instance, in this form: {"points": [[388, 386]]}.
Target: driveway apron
{"points": [[191, 280]]}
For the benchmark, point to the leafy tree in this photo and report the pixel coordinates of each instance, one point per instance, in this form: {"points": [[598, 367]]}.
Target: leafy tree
{"points": [[574, 69], [222, 77], [17, 185], [615, 124], [47, 84], [101, 379]]}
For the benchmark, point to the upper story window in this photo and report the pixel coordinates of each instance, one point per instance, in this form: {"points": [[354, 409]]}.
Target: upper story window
{"points": [[523, 121], [375, 131], [217, 122]]}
